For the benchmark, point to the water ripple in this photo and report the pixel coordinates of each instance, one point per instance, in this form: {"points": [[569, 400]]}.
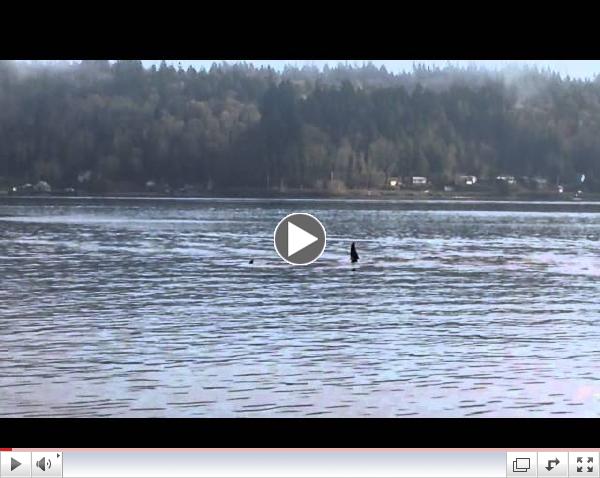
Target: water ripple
{"points": [[150, 308]]}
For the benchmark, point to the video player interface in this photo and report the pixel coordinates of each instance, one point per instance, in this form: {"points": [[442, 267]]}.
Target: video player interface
{"points": [[300, 463], [257, 240]]}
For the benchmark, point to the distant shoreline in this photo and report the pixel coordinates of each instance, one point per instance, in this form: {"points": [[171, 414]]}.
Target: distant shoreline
{"points": [[303, 194]]}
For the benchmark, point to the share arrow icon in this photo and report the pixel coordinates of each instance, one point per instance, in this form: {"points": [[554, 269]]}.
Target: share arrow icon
{"points": [[550, 467]]}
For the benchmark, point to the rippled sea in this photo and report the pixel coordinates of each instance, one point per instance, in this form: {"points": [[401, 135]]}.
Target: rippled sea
{"points": [[125, 307]]}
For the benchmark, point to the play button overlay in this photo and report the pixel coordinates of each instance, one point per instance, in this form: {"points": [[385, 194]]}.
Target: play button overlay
{"points": [[300, 239]]}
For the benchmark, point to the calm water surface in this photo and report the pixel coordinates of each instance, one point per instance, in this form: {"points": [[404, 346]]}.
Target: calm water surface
{"points": [[149, 308]]}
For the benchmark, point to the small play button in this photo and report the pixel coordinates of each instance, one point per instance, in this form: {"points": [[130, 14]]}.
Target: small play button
{"points": [[300, 239], [14, 464]]}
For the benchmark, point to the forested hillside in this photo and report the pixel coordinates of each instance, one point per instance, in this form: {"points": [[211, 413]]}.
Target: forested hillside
{"points": [[116, 126]]}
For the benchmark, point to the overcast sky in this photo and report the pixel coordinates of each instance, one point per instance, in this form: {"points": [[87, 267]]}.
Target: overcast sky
{"points": [[583, 69], [574, 68]]}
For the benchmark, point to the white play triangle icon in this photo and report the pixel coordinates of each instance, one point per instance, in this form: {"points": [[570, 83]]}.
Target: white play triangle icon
{"points": [[298, 239]]}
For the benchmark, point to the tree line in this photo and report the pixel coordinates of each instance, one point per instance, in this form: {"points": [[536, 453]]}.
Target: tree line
{"points": [[117, 125]]}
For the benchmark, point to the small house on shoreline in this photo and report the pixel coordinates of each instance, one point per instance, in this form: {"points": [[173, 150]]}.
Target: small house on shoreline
{"points": [[41, 187], [394, 182], [465, 180], [506, 179], [418, 180]]}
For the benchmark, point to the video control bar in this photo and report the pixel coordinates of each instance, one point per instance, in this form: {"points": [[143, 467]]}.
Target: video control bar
{"points": [[297, 463]]}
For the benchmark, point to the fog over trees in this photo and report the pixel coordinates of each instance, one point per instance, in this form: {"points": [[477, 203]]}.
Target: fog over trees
{"points": [[116, 126]]}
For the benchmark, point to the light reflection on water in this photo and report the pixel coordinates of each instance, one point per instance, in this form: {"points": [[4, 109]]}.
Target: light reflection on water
{"points": [[150, 308]]}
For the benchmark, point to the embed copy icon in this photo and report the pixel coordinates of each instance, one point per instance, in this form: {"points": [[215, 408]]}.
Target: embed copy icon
{"points": [[521, 465], [300, 239]]}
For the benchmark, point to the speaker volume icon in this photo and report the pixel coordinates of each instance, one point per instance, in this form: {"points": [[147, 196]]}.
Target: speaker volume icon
{"points": [[43, 464]]}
